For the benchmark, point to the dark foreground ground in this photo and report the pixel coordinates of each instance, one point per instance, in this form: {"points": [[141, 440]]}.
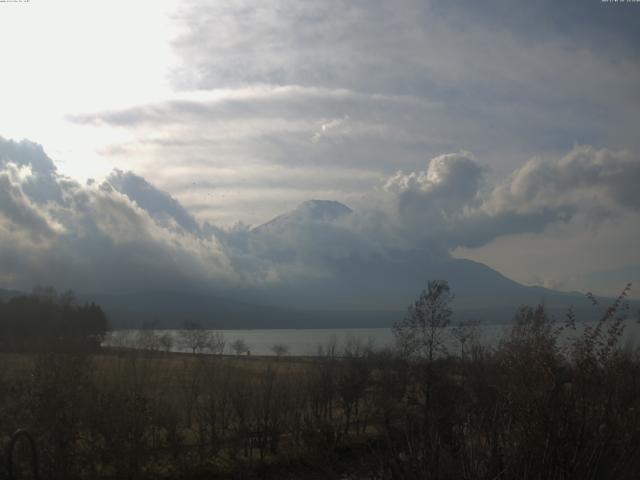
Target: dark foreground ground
{"points": [[527, 409]]}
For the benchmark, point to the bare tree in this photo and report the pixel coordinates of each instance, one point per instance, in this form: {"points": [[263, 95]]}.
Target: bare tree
{"points": [[190, 378], [166, 341], [214, 410], [239, 346], [280, 349], [466, 333], [194, 337], [216, 343], [147, 339], [329, 349], [422, 330]]}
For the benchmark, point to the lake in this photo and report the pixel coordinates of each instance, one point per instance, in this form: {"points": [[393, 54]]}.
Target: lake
{"points": [[306, 342]]}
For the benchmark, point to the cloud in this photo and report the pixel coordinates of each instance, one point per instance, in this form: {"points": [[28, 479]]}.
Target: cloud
{"points": [[451, 204], [163, 208], [17, 209], [93, 238], [460, 53], [450, 183], [343, 100], [236, 139], [339, 86], [25, 154], [595, 179], [366, 85], [418, 218], [124, 234], [377, 88]]}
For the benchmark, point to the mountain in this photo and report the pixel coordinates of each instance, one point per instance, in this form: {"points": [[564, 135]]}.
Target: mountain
{"points": [[174, 309], [318, 267], [309, 211], [348, 272], [328, 275]]}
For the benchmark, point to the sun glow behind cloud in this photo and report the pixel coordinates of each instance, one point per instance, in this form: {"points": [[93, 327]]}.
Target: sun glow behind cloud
{"points": [[69, 56]]}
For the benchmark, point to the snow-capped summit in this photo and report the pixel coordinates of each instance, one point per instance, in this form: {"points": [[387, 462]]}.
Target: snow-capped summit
{"points": [[309, 211], [321, 210]]}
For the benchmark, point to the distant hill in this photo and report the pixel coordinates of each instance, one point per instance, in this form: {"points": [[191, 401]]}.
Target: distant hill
{"points": [[173, 309]]}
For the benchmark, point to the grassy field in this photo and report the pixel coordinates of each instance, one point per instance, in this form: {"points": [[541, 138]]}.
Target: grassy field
{"points": [[173, 412]]}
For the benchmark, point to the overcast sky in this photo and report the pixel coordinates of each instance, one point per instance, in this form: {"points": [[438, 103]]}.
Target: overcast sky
{"points": [[501, 131]]}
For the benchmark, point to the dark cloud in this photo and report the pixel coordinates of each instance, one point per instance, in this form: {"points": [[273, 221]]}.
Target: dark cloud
{"points": [[160, 205], [17, 209], [25, 154], [596, 25], [463, 53]]}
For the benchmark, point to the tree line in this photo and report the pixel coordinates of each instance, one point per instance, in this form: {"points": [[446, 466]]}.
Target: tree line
{"points": [[48, 321]]}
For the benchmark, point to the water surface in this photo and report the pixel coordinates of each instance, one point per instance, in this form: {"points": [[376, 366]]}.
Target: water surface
{"points": [[307, 342]]}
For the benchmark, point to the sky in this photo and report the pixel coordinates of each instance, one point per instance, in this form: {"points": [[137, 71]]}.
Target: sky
{"points": [[499, 131]]}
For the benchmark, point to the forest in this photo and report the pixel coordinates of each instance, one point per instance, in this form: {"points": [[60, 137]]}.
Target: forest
{"points": [[554, 400], [48, 321]]}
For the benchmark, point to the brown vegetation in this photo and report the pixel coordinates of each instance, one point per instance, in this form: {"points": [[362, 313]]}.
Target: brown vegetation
{"points": [[531, 408]]}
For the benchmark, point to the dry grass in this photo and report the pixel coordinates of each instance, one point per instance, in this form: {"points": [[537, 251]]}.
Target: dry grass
{"points": [[15, 365]]}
